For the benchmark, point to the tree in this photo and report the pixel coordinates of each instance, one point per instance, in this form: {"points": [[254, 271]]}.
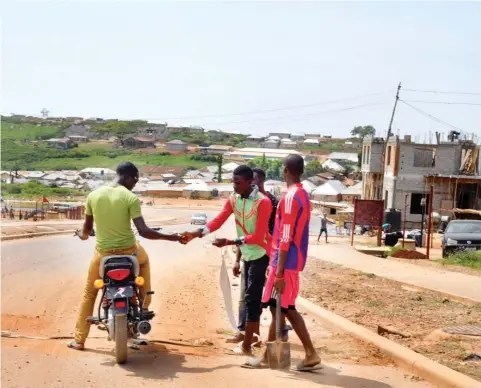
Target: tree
{"points": [[312, 168], [272, 167], [44, 113], [363, 131]]}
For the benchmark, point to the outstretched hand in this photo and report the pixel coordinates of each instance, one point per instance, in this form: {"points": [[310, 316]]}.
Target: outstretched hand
{"points": [[187, 237], [80, 235], [220, 242]]}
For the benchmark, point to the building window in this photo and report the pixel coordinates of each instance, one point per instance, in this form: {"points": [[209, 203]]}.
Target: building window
{"points": [[368, 158], [388, 159], [416, 207], [424, 157]]}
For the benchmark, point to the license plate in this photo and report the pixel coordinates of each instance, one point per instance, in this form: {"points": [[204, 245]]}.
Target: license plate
{"points": [[470, 249], [120, 292]]}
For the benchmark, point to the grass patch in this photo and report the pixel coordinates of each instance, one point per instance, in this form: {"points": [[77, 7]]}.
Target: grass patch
{"points": [[393, 250], [18, 156], [34, 190], [464, 259], [26, 131], [374, 303], [368, 275]]}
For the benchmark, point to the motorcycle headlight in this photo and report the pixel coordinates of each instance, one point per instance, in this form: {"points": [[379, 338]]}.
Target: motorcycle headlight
{"points": [[450, 241]]}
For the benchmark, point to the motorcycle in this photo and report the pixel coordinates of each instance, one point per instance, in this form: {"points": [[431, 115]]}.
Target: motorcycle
{"points": [[123, 315]]}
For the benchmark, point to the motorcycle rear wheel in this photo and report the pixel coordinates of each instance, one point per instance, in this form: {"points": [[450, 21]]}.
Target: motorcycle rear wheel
{"points": [[121, 338]]}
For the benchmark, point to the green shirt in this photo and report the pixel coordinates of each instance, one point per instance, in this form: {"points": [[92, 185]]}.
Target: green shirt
{"points": [[113, 208]]}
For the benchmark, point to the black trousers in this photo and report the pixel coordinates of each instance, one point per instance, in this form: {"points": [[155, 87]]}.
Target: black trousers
{"points": [[255, 277]]}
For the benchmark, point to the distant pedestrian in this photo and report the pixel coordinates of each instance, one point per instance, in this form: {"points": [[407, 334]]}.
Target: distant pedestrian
{"points": [[323, 227]]}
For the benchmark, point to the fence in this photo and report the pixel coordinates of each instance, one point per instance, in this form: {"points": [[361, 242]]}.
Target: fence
{"points": [[35, 210]]}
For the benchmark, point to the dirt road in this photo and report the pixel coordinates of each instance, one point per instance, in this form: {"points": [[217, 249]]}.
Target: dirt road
{"points": [[42, 282]]}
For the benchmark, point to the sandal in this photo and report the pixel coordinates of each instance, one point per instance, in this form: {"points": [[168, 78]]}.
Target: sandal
{"points": [[235, 339], [303, 368], [239, 350], [75, 345], [255, 363]]}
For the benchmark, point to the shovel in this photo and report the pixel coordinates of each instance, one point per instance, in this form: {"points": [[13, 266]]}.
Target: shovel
{"points": [[278, 352]]}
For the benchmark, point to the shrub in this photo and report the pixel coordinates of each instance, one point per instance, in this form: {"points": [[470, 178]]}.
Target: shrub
{"points": [[465, 259]]}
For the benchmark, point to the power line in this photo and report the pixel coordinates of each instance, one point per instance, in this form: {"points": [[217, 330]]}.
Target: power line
{"points": [[440, 92], [276, 109], [431, 116], [295, 118], [443, 102]]}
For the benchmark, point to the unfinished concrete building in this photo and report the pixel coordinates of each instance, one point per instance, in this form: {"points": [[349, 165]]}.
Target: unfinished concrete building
{"points": [[453, 168]]}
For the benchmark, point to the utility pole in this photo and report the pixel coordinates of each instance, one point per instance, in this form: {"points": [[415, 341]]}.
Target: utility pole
{"points": [[389, 133]]}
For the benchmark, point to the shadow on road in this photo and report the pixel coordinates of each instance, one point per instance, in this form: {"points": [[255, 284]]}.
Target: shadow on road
{"points": [[330, 376], [157, 362]]}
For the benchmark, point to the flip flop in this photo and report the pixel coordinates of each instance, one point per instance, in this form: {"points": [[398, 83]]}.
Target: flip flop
{"points": [[302, 368], [76, 346], [254, 363], [240, 351], [235, 339]]}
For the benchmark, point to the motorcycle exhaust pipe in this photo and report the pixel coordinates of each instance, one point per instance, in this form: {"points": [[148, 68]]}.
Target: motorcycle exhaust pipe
{"points": [[144, 327]]}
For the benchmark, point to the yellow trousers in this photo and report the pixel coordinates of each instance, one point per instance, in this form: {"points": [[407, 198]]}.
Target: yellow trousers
{"points": [[90, 293]]}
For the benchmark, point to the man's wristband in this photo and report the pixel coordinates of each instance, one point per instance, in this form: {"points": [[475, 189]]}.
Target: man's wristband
{"points": [[239, 241]]}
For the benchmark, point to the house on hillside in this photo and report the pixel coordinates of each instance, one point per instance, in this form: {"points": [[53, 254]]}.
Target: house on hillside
{"points": [[288, 144], [308, 186], [215, 149], [315, 136], [210, 169], [177, 146], [311, 142], [254, 140], [75, 120], [280, 135], [155, 132], [229, 167], [353, 192], [272, 142], [151, 171], [138, 142], [345, 156], [78, 130], [214, 134], [98, 173], [331, 191], [185, 129], [331, 165], [60, 144], [79, 139], [298, 137], [246, 154]]}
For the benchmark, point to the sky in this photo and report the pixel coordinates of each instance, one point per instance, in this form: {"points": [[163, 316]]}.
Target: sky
{"points": [[252, 67]]}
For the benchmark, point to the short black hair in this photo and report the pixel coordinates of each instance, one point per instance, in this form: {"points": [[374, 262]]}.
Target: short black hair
{"points": [[294, 164], [127, 169], [244, 171], [260, 172]]}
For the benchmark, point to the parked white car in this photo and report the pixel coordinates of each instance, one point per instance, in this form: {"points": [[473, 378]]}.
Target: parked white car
{"points": [[199, 219]]}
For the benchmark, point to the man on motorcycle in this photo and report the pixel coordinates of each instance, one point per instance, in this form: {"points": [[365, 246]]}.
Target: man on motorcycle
{"points": [[113, 208]]}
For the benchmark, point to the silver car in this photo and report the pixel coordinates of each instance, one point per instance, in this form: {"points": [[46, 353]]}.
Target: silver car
{"points": [[199, 219]]}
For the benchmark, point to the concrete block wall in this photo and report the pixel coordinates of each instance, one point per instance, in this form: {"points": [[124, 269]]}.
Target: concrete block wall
{"points": [[373, 163], [410, 178]]}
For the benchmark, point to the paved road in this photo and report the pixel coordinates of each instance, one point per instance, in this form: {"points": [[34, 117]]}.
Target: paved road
{"points": [[42, 281]]}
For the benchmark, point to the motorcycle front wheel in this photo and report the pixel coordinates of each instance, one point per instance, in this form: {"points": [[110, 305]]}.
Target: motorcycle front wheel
{"points": [[121, 338]]}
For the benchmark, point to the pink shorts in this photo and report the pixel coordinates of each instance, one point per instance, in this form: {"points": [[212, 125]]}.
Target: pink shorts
{"points": [[291, 291]]}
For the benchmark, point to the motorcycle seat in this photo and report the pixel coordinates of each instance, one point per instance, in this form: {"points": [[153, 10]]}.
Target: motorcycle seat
{"points": [[119, 259]]}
